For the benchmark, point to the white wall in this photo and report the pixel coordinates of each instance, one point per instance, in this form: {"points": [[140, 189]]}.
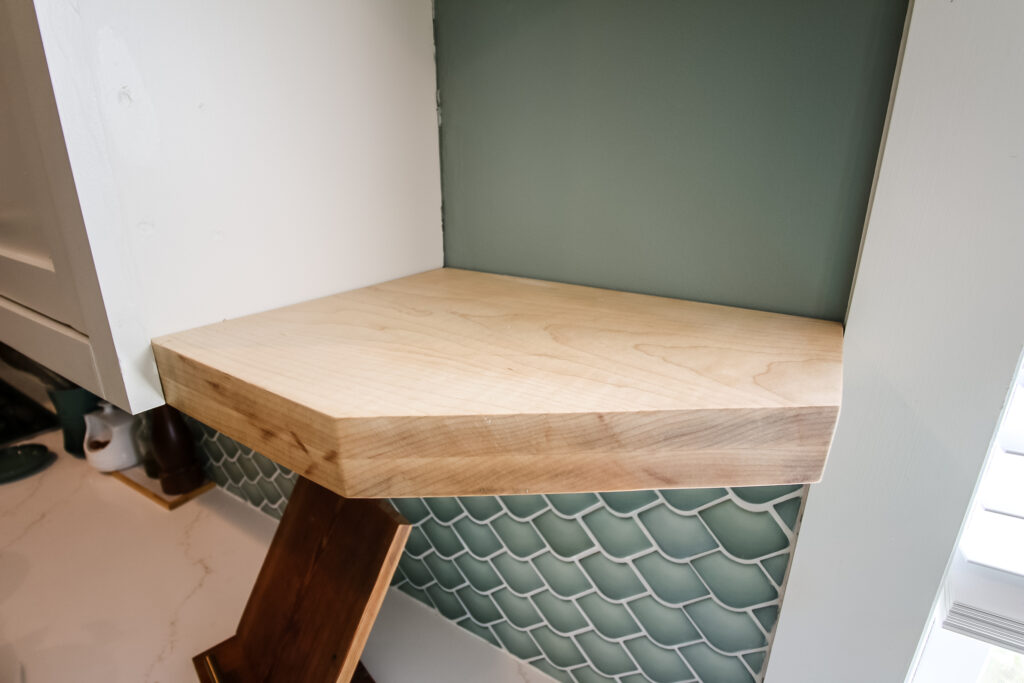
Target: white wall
{"points": [[934, 333], [236, 156]]}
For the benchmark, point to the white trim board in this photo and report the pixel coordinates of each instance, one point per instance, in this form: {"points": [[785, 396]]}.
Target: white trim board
{"points": [[412, 642], [930, 352], [983, 602]]}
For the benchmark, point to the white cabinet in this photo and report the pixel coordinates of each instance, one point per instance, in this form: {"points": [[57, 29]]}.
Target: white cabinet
{"points": [[169, 165]]}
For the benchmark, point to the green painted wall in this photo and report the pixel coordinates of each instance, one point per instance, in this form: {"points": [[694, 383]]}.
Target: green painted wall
{"points": [[717, 150]]}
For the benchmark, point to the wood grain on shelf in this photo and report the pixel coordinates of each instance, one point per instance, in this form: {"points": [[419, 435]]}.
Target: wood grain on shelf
{"points": [[455, 382], [317, 594]]}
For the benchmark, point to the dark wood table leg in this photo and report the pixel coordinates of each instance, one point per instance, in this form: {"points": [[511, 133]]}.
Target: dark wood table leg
{"points": [[317, 594]]}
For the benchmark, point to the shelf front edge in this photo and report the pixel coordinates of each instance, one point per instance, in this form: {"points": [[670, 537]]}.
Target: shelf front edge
{"points": [[380, 457]]}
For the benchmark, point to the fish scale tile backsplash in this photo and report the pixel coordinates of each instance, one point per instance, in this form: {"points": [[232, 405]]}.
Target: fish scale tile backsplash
{"points": [[664, 586]]}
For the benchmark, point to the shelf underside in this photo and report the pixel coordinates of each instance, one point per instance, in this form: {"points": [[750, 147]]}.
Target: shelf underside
{"points": [[454, 382]]}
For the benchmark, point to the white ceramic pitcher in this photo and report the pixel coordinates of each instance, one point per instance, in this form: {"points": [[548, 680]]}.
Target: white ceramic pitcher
{"points": [[109, 445]]}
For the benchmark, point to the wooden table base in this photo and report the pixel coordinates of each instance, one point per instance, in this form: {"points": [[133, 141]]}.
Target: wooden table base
{"points": [[317, 594]]}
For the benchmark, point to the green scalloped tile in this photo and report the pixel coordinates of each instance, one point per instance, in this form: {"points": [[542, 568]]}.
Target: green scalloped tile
{"points": [[285, 485], [776, 567], [521, 539], [789, 511], [519, 611], [667, 626], [270, 492], [607, 657], [274, 511], [611, 620], [417, 543], [746, 535], [235, 491], [756, 659], [416, 571], [524, 506], [234, 472], [713, 666], [614, 580], [676, 583], [678, 537], [481, 508], [561, 615], [210, 453], [635, 678], [764, 494], [480, 607], [479, 631], [252, 493], [265, 465], [515, 641], [552, 671], [413, 509], [519, 575], [479, 573], [617, 536], [564, 578], [687, 500], [559, 650], [445, 571], [398, 577], [661, 666], [444, 509], [571, 503], [625, 502], [585, 674], [737, 585], [727, 630], [566, 537], [444, 539], [420, 595], [249, 468], [479, 538], [767, 616], [219, 476], [228, 446], [447, 604]]}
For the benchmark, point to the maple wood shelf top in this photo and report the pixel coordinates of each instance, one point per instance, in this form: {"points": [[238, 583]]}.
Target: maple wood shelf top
{"points": [[454, 382]]}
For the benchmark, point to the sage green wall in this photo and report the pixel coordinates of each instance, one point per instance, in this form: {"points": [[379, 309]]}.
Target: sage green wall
{"points": [[717, 150]]}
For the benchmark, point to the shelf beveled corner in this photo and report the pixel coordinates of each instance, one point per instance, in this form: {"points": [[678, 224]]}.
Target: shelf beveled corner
{"points": [[454, 382]]}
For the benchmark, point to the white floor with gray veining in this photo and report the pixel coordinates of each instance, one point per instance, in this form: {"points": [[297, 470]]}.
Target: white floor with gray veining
{"points": [[100, 584]]}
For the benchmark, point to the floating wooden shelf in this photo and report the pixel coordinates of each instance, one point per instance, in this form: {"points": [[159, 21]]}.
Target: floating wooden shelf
{"points": [[454, 382]]}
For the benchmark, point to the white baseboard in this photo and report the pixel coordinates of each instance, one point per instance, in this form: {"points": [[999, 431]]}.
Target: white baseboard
{"points": [[412, 642]]}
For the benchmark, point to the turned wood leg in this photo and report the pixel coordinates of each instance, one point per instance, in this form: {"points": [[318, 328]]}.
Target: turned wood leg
{"points": [[317, 594]]}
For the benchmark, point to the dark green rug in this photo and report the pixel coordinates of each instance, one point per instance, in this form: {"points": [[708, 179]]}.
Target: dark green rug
{"points": [[18, 462]]}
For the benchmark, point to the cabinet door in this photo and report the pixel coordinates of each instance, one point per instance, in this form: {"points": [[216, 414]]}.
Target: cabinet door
{"points": [[34, 268]]}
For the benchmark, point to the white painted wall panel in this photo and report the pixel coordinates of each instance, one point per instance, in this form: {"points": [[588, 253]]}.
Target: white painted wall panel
{"points": [[232, 157]]}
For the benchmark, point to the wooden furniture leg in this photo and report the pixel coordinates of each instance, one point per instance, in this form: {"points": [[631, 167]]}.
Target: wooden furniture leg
{"points": [[317, 594]]}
